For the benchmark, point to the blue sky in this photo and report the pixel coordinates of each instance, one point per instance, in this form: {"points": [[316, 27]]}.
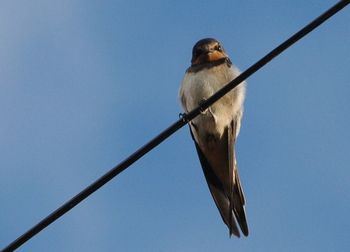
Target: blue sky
{"points": [[85, 83]]}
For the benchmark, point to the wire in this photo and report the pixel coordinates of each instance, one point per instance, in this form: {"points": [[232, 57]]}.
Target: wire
{"points": [[185, 118]]}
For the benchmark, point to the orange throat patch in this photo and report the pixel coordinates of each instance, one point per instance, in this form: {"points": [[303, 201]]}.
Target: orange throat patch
{"points": [[210, 57]]}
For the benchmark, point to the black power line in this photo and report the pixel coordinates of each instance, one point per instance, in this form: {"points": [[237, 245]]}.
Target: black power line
{"points": [[172, 129]]}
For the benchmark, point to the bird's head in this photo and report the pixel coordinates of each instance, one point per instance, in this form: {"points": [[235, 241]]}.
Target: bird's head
{"points": [[207, 50]]}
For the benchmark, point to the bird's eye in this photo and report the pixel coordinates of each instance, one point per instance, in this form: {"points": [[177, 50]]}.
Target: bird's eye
{"points": [[219, 48]]}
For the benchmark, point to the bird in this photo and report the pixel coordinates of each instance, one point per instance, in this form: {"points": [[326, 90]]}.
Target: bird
{"points": [[216, 128]]}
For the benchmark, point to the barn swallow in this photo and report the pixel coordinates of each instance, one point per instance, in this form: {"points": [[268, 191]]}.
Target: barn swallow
{"points": [[215, 130]]}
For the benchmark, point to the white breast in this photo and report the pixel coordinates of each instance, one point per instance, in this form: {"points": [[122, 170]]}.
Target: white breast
{"points": [[198, 86]]}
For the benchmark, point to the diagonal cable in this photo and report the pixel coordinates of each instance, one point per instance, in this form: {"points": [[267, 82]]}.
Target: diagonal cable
{"points": [[59, 212]]}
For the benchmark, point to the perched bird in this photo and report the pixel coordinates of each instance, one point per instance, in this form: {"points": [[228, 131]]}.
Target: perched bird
{"points": [[215, 130]]}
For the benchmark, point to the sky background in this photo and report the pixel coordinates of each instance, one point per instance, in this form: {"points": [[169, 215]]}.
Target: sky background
{"points": [[83, 84]]}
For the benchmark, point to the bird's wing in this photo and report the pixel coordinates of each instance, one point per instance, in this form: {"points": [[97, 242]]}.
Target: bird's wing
{"points": [[217, 191], [237, 199]]}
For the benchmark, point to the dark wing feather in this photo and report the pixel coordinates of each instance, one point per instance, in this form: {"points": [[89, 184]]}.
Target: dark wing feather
{"points": [[218, 192], [237, 200]]}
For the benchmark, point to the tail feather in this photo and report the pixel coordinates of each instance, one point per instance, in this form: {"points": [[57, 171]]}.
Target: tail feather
{"points": [[229, 199], [236, 196], [239, 202]]}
